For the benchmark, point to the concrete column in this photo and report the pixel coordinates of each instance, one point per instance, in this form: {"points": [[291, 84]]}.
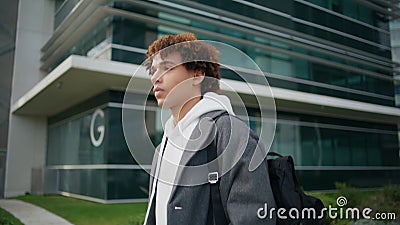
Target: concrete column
{"points": [[26, 153], [27, 135]]}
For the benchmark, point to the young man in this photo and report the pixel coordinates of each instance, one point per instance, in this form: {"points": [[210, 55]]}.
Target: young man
{"points": [[185, 77]]}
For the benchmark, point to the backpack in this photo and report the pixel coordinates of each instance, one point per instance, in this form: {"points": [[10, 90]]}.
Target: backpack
{"points": [[288, 193], [285, 187]]}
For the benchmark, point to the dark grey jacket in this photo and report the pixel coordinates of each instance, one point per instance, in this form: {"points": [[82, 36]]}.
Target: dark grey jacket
{"points": [[242, 192]]}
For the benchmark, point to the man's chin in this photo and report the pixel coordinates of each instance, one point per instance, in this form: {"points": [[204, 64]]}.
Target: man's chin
{"points": [[161, 103]]}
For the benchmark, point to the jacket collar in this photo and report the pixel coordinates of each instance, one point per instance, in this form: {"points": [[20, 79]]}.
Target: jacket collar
{"points": [[206, 126]]}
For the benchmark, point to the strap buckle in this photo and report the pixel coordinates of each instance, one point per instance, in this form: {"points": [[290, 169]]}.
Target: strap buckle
{"points": [[213, 177]]}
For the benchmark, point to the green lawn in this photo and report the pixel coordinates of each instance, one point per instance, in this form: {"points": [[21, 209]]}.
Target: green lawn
{"points": [[82, 212], [8, 219]]}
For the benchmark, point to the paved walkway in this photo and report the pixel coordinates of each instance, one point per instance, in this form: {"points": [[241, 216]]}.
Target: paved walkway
{"points": [[30, 214]]}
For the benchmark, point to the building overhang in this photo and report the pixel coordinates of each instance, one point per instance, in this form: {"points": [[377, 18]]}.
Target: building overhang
{"points": [[79, 78], [76, 79]]}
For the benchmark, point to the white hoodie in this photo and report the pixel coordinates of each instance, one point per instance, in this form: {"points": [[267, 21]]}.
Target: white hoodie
{"points": [[177, 139]]}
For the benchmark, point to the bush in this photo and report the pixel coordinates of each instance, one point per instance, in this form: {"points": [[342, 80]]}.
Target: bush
{"points": [[353, 195], [392, 192], [386, 199]]}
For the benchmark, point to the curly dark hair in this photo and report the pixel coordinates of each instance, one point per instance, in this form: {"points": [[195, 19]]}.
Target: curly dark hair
{"points": [[190, 49]]}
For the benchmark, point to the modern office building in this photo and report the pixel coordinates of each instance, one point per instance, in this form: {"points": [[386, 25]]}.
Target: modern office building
{"points": [[329, 64]]}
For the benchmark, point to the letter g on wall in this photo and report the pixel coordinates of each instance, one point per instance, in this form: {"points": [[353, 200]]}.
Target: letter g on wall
{"points": [[96, 142]]}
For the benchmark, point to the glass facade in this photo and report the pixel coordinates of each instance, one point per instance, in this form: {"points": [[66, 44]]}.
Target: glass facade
{"points": [[309, 20], [292, 64], [321, 144], [62, 9], [96, 169], [336, 48], [353, 10], [286, 63], [317, 143]]}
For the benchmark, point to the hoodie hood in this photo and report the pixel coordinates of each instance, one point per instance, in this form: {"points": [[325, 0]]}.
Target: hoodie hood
{"points": [[210, 102]]}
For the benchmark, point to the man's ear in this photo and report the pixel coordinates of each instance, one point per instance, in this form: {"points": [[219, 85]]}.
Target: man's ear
{"points": [[198, 78]]}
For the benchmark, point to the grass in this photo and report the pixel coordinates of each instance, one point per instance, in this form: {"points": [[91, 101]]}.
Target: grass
{"points": [[8, 219], [82, 212]]}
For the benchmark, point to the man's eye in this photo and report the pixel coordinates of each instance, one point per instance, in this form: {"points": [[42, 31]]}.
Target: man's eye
{"points": [[160, 70], [167, 69]]}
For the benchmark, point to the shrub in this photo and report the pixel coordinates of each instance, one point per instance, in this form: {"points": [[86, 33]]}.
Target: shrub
{"points": [[353, 195]]}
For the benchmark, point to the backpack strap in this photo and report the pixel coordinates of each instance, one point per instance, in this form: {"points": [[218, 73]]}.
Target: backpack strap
{"points": [[216, 210], [274, 154]]}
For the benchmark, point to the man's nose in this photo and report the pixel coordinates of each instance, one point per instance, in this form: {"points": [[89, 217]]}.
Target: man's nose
{"points": [[155, 78]]}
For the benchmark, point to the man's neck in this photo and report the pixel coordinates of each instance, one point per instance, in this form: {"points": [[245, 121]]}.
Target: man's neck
{"points": [[179, 112]]}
